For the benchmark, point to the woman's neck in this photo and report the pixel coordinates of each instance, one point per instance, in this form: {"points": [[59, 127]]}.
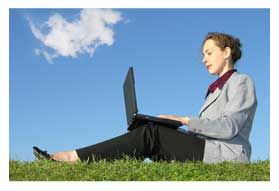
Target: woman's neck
{"points": [[226, 68]]}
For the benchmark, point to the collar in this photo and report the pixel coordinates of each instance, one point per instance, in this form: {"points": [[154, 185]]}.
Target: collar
{"points": [[219, 83]]}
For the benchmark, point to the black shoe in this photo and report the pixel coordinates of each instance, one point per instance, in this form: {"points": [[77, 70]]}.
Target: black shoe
{"points": [[41, 155]]}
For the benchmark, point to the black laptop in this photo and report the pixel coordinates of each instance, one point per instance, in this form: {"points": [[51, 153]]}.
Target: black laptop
{"points": [[135, 119]]}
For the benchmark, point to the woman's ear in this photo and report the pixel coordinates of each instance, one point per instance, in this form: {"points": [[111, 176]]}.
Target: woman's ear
{"points": [[227, 52]]}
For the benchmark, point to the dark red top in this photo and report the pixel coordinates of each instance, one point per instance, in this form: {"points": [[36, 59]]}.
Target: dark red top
{"points": [[219, 83]]}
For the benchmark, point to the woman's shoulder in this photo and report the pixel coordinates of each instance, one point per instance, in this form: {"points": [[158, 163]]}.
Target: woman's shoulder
{"points": [[239, 81], [241, 78]]}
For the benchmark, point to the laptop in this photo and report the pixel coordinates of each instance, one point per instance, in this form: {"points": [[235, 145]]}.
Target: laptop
{"points": [[134, 119]]}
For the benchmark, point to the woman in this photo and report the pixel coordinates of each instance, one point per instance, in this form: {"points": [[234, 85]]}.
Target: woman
{"points": [[220, 133]]}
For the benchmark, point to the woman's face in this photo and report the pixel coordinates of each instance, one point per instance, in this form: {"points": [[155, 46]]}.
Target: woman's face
{"points": [[214, 58]]}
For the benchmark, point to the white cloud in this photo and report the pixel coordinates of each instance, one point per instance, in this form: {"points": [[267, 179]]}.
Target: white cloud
{"points": [[84, 35], [49, 57]]}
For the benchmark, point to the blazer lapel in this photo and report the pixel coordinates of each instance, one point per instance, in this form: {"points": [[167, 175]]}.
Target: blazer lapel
{"points": [[210, 99]]}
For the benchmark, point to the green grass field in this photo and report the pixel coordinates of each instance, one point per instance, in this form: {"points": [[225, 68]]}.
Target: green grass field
{"points": [[133, 170]]}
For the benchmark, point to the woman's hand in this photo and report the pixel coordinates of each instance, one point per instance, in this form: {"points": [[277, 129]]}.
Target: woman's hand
{"points": [[183, 120]]}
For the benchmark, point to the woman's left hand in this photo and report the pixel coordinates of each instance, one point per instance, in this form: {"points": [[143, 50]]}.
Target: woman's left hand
{"points": [[183, 120]]}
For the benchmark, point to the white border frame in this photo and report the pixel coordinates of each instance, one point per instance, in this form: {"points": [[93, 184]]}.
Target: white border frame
{"points": [[4, 94]]}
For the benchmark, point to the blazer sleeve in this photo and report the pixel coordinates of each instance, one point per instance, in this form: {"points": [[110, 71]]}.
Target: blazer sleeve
{"points": [[238, 110]]}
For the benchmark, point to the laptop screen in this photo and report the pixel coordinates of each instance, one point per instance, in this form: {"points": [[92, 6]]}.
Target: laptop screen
{"points": [[130, 96]]}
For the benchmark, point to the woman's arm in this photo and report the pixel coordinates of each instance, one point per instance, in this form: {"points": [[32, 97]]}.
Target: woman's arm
{"points": [[184, 120], [238, 112]]}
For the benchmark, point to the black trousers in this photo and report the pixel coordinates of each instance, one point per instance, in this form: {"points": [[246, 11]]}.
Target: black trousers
{"points": [[155, 142]]}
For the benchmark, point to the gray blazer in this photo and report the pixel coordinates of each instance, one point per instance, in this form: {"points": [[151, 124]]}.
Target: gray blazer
{"points": [[225, 121]]}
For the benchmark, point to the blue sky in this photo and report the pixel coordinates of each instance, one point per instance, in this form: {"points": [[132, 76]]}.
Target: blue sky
{"points": [[63, 98]]}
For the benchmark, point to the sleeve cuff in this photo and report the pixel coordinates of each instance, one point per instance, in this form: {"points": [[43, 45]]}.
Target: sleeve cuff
{"points": [[192, 126]]}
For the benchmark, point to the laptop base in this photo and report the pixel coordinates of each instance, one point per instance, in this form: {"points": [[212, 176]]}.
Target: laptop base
{"points": [[140, 120]]}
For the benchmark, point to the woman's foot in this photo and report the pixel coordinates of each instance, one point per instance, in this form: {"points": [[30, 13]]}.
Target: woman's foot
{"points": [[69, 156], [41, 155]]}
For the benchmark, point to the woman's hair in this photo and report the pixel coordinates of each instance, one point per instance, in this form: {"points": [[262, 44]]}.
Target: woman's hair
{"points": [[223, 40]]}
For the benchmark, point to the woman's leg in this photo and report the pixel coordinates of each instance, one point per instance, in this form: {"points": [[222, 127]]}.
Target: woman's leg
{"points": [[178, 146], [155, 142], [136, 143]]}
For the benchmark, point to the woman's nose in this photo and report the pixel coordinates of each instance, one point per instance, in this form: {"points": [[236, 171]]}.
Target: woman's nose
{"points": [[204, 60]]}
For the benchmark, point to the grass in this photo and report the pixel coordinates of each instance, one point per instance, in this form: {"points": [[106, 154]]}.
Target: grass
{"points": [[133, 170]]}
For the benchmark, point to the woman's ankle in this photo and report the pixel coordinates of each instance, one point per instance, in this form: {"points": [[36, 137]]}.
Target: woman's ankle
{"points": [[69, 156]]}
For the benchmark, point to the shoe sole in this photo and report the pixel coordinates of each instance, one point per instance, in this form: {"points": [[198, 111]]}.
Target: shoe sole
{"points": [[39, 155]]}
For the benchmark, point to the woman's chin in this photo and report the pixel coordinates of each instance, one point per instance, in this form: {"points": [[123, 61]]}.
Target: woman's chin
{"points": [[211, 72]]}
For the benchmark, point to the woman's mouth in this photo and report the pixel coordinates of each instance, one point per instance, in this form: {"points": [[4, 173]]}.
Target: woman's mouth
{"points": [[208, 66]]}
